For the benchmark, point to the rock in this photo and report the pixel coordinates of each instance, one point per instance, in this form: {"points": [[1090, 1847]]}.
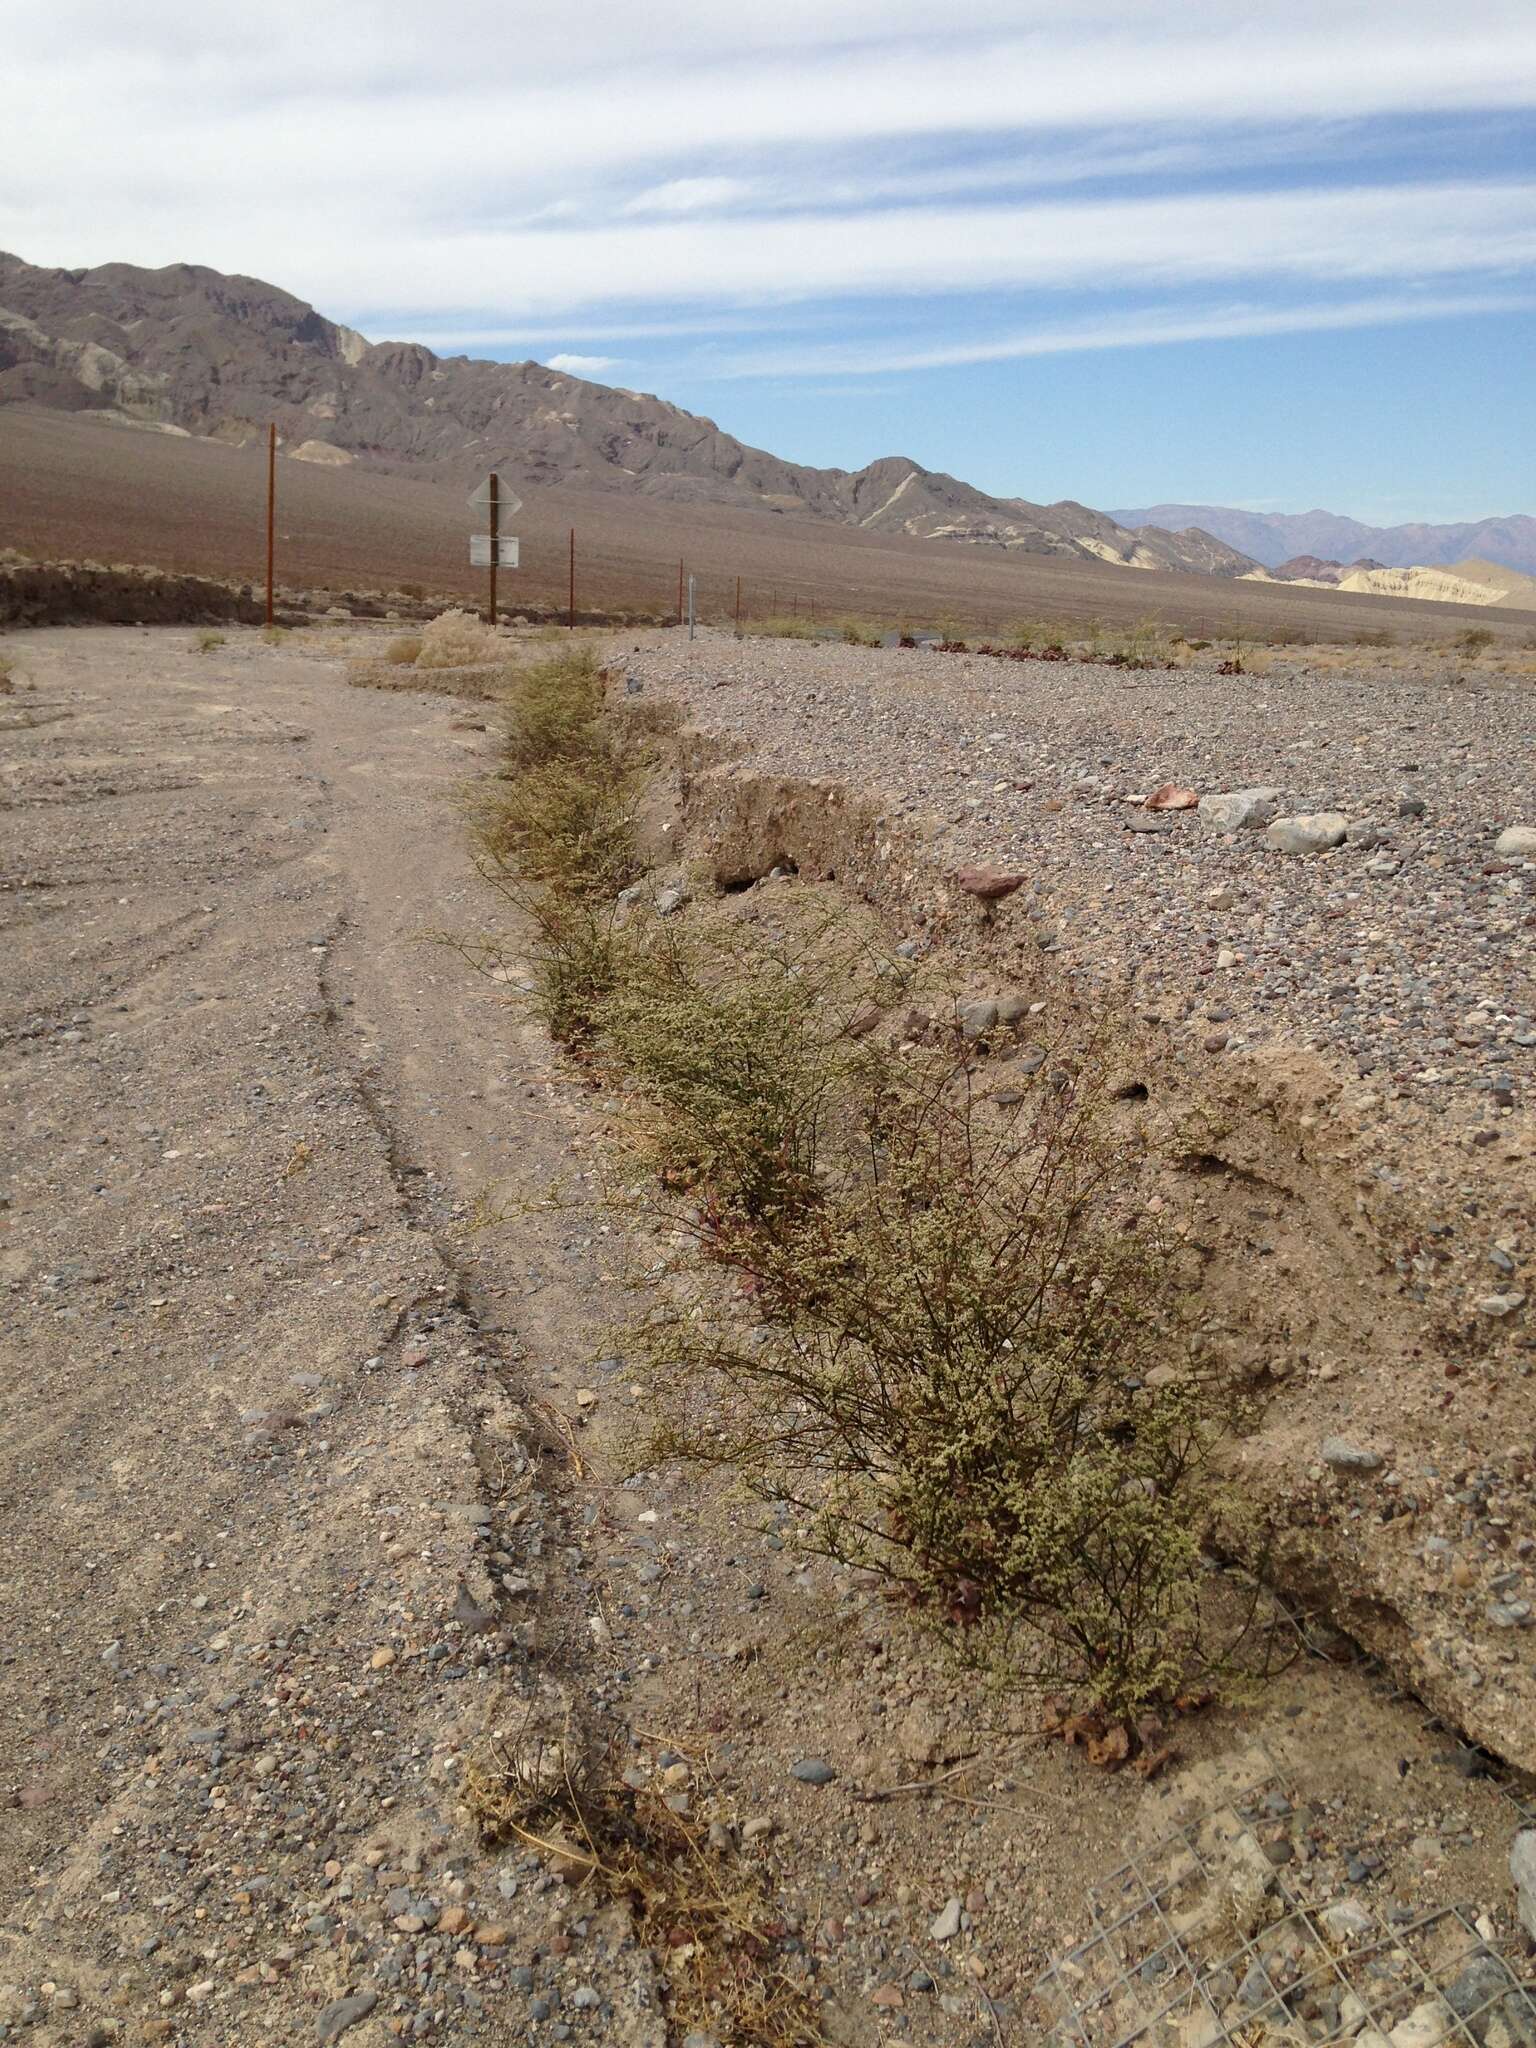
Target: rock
{"points": [[988, 885], [1522, 1868], [381, 1660], [335, 2018], [1509, 1613], [1347, 1457], [1516, 842], [1501, 1304], [1239, 810], [1308, 832], [1429, 2025], [1347, 1921], [1172, 796], [1411, 807], [1483, 1980], [1141, 821], [975, 1019], [672, 899], [920, 1738], [812, 1770], [946, 1923]]}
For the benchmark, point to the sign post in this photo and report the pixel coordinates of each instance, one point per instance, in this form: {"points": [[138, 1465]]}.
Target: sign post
{"points": [[271, 512], [493, 550]]}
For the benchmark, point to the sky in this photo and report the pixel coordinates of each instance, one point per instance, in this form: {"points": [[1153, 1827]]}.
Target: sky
{"points": [[1274, 256]]}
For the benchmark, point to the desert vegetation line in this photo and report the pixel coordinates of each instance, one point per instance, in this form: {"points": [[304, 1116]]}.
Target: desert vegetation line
{"points": [[941, 1328]]}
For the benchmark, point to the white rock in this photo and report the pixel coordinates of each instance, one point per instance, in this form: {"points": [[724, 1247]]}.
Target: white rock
{"points": [[946, 1923], [1308, 832], [1501, 1304], [1522, 1868], [1516, 842], [1426, 2026], [1238, 810]]}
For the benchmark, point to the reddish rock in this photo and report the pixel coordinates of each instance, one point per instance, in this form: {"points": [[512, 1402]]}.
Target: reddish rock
{"points": [[991, 885]]}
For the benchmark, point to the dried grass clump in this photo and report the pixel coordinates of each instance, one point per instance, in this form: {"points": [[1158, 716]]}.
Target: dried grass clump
{"points": [[404, 649], [206, 641], [7, 675], [458, 639], [704, 1911]]}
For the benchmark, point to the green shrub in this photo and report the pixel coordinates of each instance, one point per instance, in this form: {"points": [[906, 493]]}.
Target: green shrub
{"points": [[206, 641], [566, 822], [947, 1358], [553, 712]]}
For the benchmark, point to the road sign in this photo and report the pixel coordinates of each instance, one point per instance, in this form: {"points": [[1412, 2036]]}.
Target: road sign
{"points": [[480, 551], [509, 501]]}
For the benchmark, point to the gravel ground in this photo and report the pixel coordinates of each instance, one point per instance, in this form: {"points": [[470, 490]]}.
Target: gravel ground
{"points": [[286, 1494], [1408, 952]]}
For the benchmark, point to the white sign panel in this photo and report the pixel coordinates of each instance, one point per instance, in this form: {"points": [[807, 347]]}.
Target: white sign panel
{"points": [[480, 551], [508, 500]]}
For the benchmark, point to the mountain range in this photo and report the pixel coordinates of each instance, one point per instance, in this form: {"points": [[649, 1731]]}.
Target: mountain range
{"points": [[1274, 538], [193, 351]]}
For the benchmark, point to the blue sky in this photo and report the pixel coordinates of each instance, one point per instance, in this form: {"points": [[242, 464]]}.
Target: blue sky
{"points": [[1281, 257]]}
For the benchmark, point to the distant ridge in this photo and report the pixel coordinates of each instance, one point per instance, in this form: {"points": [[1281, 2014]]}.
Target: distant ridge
{"points": [[189, 350], [1277, 537]]}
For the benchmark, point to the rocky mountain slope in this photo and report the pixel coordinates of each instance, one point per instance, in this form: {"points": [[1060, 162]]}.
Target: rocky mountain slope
{"points": [[190, 350], [1470, 582], [1273, 537]]}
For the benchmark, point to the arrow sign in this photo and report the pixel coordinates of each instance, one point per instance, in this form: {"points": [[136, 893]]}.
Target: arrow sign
{"points": [[508, 501]]}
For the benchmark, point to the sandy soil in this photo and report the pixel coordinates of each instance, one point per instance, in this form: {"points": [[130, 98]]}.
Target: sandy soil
{"points": [[72, 487], [290, 1508]]}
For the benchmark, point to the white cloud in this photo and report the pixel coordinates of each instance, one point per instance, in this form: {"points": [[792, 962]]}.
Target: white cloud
{"points": [[582, 366], [690, 195], [1137, 330]]}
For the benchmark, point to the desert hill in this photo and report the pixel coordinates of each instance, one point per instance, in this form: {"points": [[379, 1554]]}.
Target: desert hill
{"points": [[192, 351], [1272, 538]]}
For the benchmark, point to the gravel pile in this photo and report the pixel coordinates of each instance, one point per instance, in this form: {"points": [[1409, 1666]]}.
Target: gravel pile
{"points": [[1404, 944]]}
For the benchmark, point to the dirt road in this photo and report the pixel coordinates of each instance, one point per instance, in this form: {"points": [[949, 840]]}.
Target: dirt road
{"points": [[290, 1509]]}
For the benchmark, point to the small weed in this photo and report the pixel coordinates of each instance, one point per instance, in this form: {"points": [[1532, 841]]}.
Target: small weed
{"points": [[704, 1910], [274, 636], [206, 641]]}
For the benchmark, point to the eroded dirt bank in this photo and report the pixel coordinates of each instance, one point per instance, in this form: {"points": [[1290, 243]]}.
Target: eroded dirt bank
{"points": [[306, 1482], [1328, 1058]]}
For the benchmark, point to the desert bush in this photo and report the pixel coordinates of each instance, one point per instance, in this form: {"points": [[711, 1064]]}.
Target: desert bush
{"points": [[741, 1046], [947, 1359], [206, 641], [458, 639], [567, 822], [554, 710], [790, 626], [860, 632], [404, 649], [1474, 639], [7, 675]]}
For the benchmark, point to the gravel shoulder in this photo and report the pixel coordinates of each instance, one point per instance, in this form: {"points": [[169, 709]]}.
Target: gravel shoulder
{"points": [[291, 1509]]}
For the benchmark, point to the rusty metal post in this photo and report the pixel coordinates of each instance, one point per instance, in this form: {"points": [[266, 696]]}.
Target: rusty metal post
{"points": [[570, 615], [495, 483], [271, 511]]}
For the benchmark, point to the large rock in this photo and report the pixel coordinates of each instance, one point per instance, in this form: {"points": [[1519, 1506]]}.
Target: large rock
{"points": [[1239, 810], [1308, 832], [1516, 842]]}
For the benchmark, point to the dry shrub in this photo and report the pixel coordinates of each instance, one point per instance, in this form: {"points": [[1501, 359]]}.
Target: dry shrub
{"points": [[7, 675], [952, 1351], [554, 713], [206, 641], [406, 648], [788, 626], [458, 639], [705, 1912]]}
